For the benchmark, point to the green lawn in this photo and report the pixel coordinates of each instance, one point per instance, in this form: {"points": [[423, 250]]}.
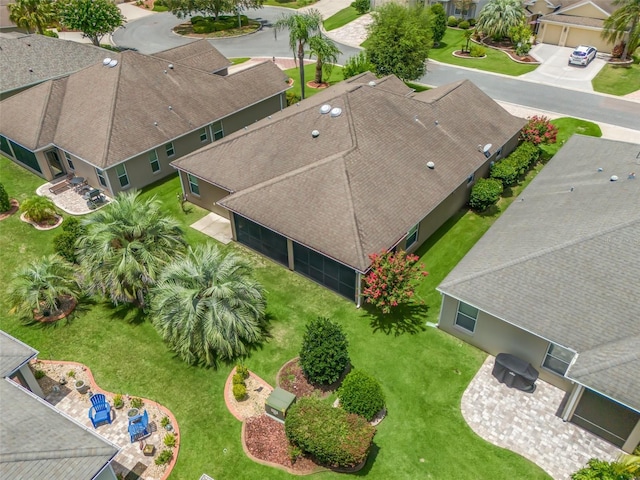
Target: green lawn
{"points": [[495, 61], [567, 126], [294, 4], [617, 81], [309, 75], [341, 18], [239, 60]]}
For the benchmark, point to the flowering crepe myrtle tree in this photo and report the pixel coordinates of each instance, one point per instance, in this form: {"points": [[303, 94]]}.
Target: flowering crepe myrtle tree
{"points": [[392, 279], [539, 129]]}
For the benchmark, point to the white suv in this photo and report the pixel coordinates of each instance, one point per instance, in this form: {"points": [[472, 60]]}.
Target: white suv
{"points": [[582, 55]]}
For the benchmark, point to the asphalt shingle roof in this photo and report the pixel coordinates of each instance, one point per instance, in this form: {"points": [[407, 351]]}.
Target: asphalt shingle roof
{"points": [[563, 262], [199, 54], [13, 354]]}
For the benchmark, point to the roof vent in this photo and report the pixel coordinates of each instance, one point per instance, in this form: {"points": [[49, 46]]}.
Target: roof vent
{"points": [[431, 165], [155, 123], [171, 66], [487, 150], [614, 178], [632, 176], [372, 83], [437, 122], [315, 133], [599, 169], [336, 112], [112, 63], [106, 61], [324, 109], [170, 107]]}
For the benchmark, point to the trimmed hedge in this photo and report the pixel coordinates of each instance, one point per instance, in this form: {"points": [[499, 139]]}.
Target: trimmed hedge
{"points": [[464, 25], [5, 202], [452, 21], [515, 165], [336, 438], [361, 394], [64, 244], [485, 192], [324, 355], [209, 24]]}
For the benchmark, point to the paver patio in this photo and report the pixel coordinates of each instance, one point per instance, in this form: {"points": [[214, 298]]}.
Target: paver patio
{"points": [[527, 423], [68, 201]]}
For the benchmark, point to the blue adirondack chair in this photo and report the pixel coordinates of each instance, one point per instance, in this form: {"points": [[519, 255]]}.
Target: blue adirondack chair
{"points": [[139, 427], [100, 411]]}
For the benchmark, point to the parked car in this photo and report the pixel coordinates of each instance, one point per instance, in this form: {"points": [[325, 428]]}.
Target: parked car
{"points": [[582, 55]]}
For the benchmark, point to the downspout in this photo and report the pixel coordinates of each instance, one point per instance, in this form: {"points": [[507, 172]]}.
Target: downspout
{"points": [[358, 289]]}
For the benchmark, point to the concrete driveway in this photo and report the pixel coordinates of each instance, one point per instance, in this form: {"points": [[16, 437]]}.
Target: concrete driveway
{"points": [[555, 69]]}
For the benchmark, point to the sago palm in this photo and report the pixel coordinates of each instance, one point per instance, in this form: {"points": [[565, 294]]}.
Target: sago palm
{"points": [[39, 209], [32, 14], [326, 53], [126, 246], [497, 17], [301, 26], [207, 306], [625, 19], [39, 287]]}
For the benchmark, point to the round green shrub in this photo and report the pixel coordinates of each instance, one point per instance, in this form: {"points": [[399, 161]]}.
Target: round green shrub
{"points": [[465, 25], [39, 209], [485, 193], [505, 171], [452, 21], [64, 244], [324, 355], [5, 203], [238, 379], [361, 6], [361, 394], [472, 22], [239, 391], [477, 51], [243, 371]]}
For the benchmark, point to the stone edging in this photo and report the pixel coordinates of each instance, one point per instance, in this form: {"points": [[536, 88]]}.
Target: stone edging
{"points": [[59, 220], [95, 388], [466, 57], [510, 57], [15, 205]]}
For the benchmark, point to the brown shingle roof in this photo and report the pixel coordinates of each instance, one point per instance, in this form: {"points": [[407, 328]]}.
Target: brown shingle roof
{"points": [[363, 182], [199, 54], [572, 20]]}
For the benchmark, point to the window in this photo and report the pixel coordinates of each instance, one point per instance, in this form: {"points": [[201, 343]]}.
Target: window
{"points": [[466, 317], [69, 161], [153, 160], [170, 150], [193, 184], [203, 135], [412, 236], [101, 178], [121, 171], [499, 153], [470, 179], [325, 271], [218, 131], [557, 359]]}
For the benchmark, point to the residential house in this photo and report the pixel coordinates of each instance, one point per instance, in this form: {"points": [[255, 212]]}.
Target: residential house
{"points": [[37, 440], [119, 123], [364, 166], [555, 281], [460, 9]]}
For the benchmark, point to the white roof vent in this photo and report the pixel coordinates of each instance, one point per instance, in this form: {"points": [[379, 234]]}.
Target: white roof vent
{"points": [[336, 112], [315, 134], [326, 108], [113, 63], [487, 150], [372, 83], [614, 178], [431, 165], [171, 66], [106, 61]]}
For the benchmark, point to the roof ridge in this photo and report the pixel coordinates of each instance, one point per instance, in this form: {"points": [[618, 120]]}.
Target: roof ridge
{"points": [[539, 253], [612, 360], [105, 156], [43, 113], [41, 454]]}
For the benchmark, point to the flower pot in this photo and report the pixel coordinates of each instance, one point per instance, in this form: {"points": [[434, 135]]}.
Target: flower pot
{"points": [[81, 386], [133, 412], [149, 449]]}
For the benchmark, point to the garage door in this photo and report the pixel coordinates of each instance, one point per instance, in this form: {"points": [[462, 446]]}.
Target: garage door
{"points": [[579, 36], [551, 34]]}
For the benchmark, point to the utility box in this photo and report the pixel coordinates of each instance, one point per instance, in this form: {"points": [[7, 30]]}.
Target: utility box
{"points": [[278, 403]]}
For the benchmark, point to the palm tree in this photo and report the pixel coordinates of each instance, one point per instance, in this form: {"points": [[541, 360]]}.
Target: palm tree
{"points": [[32, 14], [624, 19], [207, 306], [126, 246], [38, 287], [301, 26], [39, 209], [498, 16], [629, 463], [326, 53]]}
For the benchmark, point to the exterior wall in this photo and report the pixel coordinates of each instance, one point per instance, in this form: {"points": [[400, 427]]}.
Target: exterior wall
{"points": [[495, 336], [209, 195], [254, 113], [28, 380], [550, 34], [588, 10]]}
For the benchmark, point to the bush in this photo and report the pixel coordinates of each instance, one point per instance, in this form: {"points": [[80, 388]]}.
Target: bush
{"points": [[64, 244], [477, 51], [238, 379], [164, 457], [5, 203], [336, 438], [136, 402], [242, 371], [239, 391], [601, 470], [324, 356], [39, 209], [356, 65], [164, 422], [485, 192], [472, 22], [361, 6], [452, 21], [118, 402], [465, 25], [50, 33], [539, 129], [224, 22], [292, 98], [505, 172], [169, 440], [524, 156], [361, 394], [38, 374]]}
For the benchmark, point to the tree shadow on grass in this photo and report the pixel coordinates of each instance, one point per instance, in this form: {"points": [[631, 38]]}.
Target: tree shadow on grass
{"points": [[129, 313], [402, 320], [371, 458]]}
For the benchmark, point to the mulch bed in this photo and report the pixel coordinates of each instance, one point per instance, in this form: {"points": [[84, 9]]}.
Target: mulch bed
{"points": [[14, 208], [291, 379], [507, 47], [67, 305]]}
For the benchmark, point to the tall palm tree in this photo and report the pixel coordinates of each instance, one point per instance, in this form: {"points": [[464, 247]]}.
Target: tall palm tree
{"points": [[301, 26], [39, 287], [326, 53], [624, 19], [498, 16], [126, 246], [207, 306], [32, 14]]}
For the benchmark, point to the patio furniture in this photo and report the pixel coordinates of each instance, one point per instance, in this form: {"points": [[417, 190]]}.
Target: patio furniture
{"points": [[63, 185], [77, 183], [515, 372], [94, 198], [139, 427], [100, 411]]}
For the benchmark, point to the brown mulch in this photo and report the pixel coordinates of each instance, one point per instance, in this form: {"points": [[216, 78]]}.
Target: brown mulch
{"points": [[507, 47], [317, 85], [67, 305], [13, 209], [291, 379]]}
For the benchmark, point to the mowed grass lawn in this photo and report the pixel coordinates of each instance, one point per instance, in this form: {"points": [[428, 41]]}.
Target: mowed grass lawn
{"points": [[310, 75], [423, 370], [341, 18], [495, 61], [617, 81]]}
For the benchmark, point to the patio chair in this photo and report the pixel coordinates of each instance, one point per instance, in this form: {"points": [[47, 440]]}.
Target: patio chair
{"points": [[139, 427], [100, 411]]}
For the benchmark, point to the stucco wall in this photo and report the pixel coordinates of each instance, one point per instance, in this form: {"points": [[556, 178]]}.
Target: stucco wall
{"points": [[209, 195], [587, 10]]}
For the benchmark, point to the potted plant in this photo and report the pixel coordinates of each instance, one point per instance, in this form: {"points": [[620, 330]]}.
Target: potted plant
{"points": [[81, 386], [118, 402], [166, 424], [149, 449]]}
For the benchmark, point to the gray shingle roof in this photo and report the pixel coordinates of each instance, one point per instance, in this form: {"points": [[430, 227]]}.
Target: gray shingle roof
{"points": [[363, 182], [31, 59], [107, 115], [199, 54], [13, 354], [573, 20], [564, 264]]}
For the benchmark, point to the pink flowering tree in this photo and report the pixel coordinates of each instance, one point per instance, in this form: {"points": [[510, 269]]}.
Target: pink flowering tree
{"points": [[539, 129], [392, 279]]}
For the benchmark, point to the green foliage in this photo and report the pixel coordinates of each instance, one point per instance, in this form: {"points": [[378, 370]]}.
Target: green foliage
{"points": [[520, 36], [239, 391], [71, 373], [118, 402], [94, 18], [484, 193], [601, 470], [539, 130], [294, 452], [169, 440], [626, 18], [51, 33], [472, 22], [38, 374], [361, 394], [361, 6], [64, 244], [356, 65], [210, 24], [399, 41], [336, 438], [516, 164], [165, 421], [477, 50], [137, 402], [39, 209], [215, 8], [452, 21], [497, 17], [292, 98], [464, 25], [164, 457], [242, 371], [505, 172], [438, 22], [5, 203], [32, 14], [324, 354], [326, 52], [238, 379]]}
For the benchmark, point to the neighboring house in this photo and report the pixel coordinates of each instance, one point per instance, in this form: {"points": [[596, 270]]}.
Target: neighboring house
{"points": [[31, 59], [6, 25], [120, 123], [345, 173], [37, 440], [556, 282], [450, 7]]}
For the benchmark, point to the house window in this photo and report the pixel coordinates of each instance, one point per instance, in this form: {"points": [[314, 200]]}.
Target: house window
{"points": [[153, 160], [69, 161], [466, 317], [412, 236], [557, 359], [218, 132], [121, 171], [499, 153], [470, 179], [170, 150], [203, 135], [193, 184], [101, 178]]}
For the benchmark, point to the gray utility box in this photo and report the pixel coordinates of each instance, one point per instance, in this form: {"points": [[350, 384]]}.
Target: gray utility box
{"points": [[278, 403]]}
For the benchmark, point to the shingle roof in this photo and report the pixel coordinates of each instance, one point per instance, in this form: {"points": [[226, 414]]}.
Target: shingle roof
{"points": [[13, 354], [199, 54], [31, 59], [564, 263], [107, 115], [363, 182], [38, 442], [573, 20]]}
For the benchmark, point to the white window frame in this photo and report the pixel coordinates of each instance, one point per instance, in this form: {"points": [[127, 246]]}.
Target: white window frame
{"points": [[218, 133], [193, 181], [170, 149], [153, 158], [204, 136], [467, 316], [67, 157], [413, 232], [549, 354], [101, 177], [122, 175]]}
